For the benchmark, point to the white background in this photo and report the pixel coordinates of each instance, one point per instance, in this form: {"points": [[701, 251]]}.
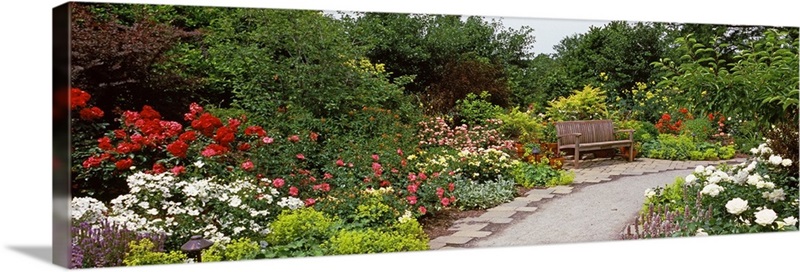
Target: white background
{"points": [[26, 128]]}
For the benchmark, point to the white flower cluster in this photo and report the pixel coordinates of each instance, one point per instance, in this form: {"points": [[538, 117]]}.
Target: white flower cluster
{"points": [[762, 149], [291, 203], [220, 210], [407, 216], [86, 209]]}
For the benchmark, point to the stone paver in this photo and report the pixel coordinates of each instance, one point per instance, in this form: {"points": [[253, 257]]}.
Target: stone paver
{"points": [[591, 171]]}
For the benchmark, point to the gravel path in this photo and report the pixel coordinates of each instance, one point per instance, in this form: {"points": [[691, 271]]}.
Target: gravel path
{"points": [[596, 212]]}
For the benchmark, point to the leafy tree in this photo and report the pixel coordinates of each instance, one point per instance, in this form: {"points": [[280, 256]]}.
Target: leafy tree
{"points": [[428, 47], [761, 85], [620, 50]]}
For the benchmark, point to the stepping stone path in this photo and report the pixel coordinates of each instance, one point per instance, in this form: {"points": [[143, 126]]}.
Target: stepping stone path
{"points": [[591, 172]]}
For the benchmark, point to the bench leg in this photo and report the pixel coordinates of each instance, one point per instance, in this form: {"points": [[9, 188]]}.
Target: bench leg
{"points": [[577, 158], [630, 154]]}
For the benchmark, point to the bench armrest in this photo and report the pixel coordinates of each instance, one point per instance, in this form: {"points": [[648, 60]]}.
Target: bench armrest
{"points": [[629, 131]]}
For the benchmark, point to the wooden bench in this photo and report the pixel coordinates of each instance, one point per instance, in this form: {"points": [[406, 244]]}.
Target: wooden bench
{"points": [[590, 135]]}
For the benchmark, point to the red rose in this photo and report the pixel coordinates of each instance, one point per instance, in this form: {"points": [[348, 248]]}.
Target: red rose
{"points": [[451, 187], [339, 162], [105, 144], [313, 136], [93, 161], [375, 157], [244, 147], [148, 113], [412, 188], [386, 183], [214, 150], [92, 113], [255, 130], [120, 134], [293, 191], [206, 124], [327, 176], [178, 149], [159, 168], [188, 136], [440, 192], [423, 210], [124, 164], [78, 98], [294, 138], [224, 136], [130, 117]]}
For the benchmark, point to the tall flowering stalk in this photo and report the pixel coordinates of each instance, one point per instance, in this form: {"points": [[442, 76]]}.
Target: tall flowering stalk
{"points": [[105, 244]]}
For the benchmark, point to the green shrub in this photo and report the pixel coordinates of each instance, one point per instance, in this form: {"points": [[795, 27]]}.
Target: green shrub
{"points": [[669, 147], [586, 104], [143, 252], [526, 126], [372, 241], [532, 175], [700, 129], [727, 152], [670, 195], [482, 195], [410, 227], [239, 249], [297, 233], [474, 109], [563, 178]]}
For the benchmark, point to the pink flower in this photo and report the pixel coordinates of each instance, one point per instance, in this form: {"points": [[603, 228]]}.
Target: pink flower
{"points": [[445, 201], [247, 166], [440, 192], [412, 188], [339, 162], [423, 210], [310, 202], [376, 166], [294, 138], [435, 174], [451, 186], [412, 177], [278, 182], [350, 164], [375, 157], [267, 140], [177, 170], [293, 191], [386, 183], [422, 176], [399, 152], [301, 156], [411, 200], [327, 176]]}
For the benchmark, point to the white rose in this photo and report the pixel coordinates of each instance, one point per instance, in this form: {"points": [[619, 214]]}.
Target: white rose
{"points": [[649, 193], [775, 159], [786, 162], [699, 169], [701, 232], [790, 220], [765, 217], [714, 179], [753, 179], [690, 179], [736, 206], [754, 151], [712, 190]]}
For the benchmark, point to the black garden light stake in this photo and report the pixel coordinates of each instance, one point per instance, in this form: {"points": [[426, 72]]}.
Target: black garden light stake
{"points": [[195, 246]]}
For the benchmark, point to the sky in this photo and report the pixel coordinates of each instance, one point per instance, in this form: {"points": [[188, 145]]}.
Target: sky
{"points": [[549, 32]]}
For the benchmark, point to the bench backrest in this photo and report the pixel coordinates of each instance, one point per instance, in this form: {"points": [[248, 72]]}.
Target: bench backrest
{"points": [[592, 131]]}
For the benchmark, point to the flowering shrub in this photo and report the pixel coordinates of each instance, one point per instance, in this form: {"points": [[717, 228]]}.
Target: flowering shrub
{"points": [[436, 132], [217, 209], [479, 166], [758, 195], [105, 243], [586, 104]]}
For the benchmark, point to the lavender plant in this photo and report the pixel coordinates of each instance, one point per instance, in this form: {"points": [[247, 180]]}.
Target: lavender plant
{"points": [[105, 244]]}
